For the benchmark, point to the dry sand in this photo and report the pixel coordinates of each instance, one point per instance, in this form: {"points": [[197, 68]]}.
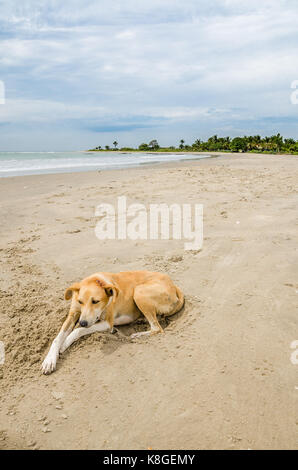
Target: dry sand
{"points": [[220, 376]]}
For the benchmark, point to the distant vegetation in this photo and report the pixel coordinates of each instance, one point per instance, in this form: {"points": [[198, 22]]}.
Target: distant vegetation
{"points": [[255, 143]]}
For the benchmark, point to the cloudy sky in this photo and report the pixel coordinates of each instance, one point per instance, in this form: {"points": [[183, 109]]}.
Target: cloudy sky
{"points": [[81, 73]]}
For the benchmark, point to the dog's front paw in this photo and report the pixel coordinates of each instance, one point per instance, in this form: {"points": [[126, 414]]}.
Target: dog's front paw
{"points": [[49, 364]]}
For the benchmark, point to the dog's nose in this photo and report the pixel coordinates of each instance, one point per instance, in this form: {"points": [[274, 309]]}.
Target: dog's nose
{"points": [[83, 323]]}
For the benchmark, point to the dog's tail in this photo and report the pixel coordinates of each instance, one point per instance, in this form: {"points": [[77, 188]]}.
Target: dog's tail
{"points": [[181, 300]]}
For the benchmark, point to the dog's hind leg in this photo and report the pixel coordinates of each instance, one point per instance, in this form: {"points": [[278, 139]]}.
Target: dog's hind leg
{"points": [[147, 305]]}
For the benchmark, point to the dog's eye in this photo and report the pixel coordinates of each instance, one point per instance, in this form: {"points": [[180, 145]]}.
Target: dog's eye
{"points": [[95, 301], [80, 302]]}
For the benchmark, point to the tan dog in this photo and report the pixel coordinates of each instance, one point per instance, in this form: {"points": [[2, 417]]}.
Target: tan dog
{"points": [[114, 299]]}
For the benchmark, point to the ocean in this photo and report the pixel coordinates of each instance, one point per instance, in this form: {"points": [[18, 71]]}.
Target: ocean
{"points": [[37, 163]]}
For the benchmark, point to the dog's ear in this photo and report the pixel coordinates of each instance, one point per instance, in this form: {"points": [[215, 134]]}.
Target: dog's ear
{"points": [[111, 291], [100, 282], [69, 291]]}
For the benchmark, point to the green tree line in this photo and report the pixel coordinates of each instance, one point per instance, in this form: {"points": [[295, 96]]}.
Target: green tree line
{"points": [[256, 143]]}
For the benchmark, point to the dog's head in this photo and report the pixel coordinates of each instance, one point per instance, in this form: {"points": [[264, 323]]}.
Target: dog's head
{"points": [[91, 296]]}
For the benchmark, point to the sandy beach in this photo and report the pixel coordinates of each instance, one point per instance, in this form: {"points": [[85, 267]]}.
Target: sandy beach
{"points": [[220, 377]]}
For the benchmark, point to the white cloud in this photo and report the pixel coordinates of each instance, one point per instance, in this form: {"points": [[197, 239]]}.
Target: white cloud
{"points": [[127, 34]]}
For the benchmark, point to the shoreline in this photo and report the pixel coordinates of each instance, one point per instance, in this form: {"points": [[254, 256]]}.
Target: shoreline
{"points": [[191, 152], [149, 165], [62, 163]]}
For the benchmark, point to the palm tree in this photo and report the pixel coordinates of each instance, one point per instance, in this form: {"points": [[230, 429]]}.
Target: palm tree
{"points": [[115, 143], [154, 144], [181, 143], [196, 144]]}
